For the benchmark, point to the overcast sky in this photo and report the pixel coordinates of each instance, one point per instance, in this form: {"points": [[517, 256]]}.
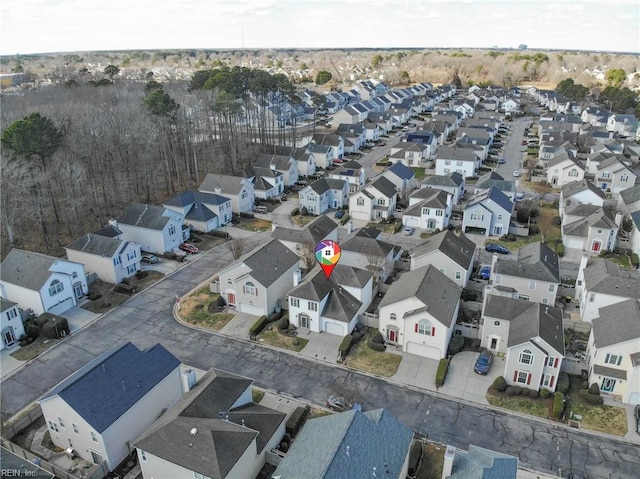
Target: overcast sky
{"points": [[38, 26]]}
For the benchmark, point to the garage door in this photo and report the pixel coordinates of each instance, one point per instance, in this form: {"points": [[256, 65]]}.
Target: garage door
{"points": [[570, 242], [62, 307], [423, 350], [411, 221], [250, 309], [334, 328], [360, 215]]}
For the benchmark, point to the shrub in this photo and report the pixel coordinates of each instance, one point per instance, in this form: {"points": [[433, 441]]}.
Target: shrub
{"points": [[258, 326], [283, 323], [558, 404], [441, 373], [376, 346], [456, 344], [344, 220], [295, 212], [594, 389], [94, 296], [220, 302], [556, 220], [297, 419], [357, 336], [516, 390], [511, 237], [534, 229], [377, 337], [560, 250], [585, 384], [563, 382], [244, 214], [345, 345], [499, 384], [545, 393], [304, 211], [415, 456], [634, 260], [533, 393], [33, 331], [589, 398]]}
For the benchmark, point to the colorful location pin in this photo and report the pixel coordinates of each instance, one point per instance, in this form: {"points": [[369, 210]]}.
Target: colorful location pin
{"points": [[327, 255]]}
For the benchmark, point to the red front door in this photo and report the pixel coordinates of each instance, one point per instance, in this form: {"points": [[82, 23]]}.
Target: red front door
{"points": [[392, 336], [596, 246], [232, 298]]}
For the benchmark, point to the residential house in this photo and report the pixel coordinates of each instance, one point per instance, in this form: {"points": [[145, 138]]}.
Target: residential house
{"points": [[488, 212], [201, 211], [323, 154], [451, 253], [375, 201], [589, 228], [613, 350], [412, 154], [623, 125], [583, 192], [351, 171], [495, 180], [510, 106], [364, 249], [419, 311], [354, 135], [284, 164], [595, 115], [267, 183], [427, 138], [303, 241], [402, 177], [452, 183], [530, 336], [534, 276], [629, 200], [258, 282], [614, 176], [213, 431], [111, 259], [457, 159], [324, 194], [331, 305], [601, 283], [100, 409], [41, 283], [331, 140], [238, 189], [10, 323], [478, 463], [332, 446], [155, 228], [563, 169], [429, 209]]}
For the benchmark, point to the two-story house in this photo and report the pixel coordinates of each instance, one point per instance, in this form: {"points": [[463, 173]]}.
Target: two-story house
{"points": [[493, 179], [41, 283], [488, 213], [324, 194], [419, 312], [284, 164], [413, 154], [534, 276], [267, 183], [375, 201], [364, 249], [303, 241], [11, 326], [351, 171], [238, 189], [155, 228], [452, 183], [429, 209], [583, 192], [563, 169], [457, 159], [451, 253], [403, 177], [589, 228], [614, 176], [201, 211]]}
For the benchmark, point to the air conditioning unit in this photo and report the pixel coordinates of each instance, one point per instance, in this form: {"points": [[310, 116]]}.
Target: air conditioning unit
{"points": [[71, 453]]}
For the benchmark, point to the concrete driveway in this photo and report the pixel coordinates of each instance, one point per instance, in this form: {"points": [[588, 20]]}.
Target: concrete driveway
{"points": [[462, 382]]}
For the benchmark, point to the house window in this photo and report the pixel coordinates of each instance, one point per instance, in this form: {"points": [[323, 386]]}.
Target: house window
{"points": [[12, 314], [573, 173], [545, 300], [447, 162], [532, 284], [498, 278], [614, 359], [131, 255], [592, 297], [439, 212], [172, 229], [381, 201], [197, 475], [143, 455], [425, 327], [477, 216], [117, 260], [250, 289], [70, 442], [131, 269], [61, 422], [546, 380], [74, 426], [522, 377], [606, 174], [526, 357], [295, 302], [312, 306], [426, 211], [523, 297], [608, 385], [447, 170], [458, 275], [360, 201], [53, 426], [94, 436], [458, 163], [496, 323], [55, 288], [552, 288], [624, 178], [243, 195], [552, 362], [393, 316]]}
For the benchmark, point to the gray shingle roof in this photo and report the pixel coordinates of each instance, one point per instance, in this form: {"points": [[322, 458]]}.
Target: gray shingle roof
{"points": [[438, 200], [359, 243], [452, 180], [600, 218], [6, 304], [535, 261], [230, 185], [480, 463], [218, 443], [630, 195], [373, 439], [617, 323], [316, 231], [269, 262], [434, 289], [457, 247], [27, 269], [109, 385], [190, 197], [110, 230], [570, 189], [384, 186], [98, 245], [603, 276], [144, 216], [494, 194]]}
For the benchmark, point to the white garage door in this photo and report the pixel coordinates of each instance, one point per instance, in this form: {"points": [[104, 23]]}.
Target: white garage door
{"points": [[360, 215], [334, 328], [411, 221], [423, 350], [62, 307], [571, 242], [250, 309]]}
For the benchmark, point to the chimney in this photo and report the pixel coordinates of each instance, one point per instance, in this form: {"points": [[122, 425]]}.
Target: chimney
{"points": [[188, 377], [296, 277], [448, 461]]}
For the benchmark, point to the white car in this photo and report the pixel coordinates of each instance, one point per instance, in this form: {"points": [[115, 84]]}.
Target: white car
{"points": [[516, 173], [408, 231]]}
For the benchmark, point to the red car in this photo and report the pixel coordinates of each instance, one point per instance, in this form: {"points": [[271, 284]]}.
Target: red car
{"points": [[188, 247], [524, 142]]}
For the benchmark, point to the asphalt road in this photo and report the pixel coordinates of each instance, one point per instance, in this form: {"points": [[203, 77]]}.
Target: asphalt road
{"points": [[147, 319]]}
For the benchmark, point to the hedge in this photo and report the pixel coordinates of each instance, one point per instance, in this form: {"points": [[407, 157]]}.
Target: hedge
{"points": [[345, 345], [297, 419], [594, 389], [295, 212], [441, 373], [593, 399], [563, 382], [415, 456], [244, 214], [456, 344], [258, 326], [380, 347], [545, 393], [218, 234], [558, 404], [344, 219], [560, 250]]}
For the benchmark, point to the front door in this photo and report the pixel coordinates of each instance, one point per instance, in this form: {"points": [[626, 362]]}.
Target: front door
{"points": [[392, 336], [494, 344], [231, 298], [304, 321], [596, 246], [77, 290], [608, 385], [8, 338], [431, 225]]}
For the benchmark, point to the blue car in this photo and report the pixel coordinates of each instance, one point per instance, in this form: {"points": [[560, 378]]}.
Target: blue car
{"points": [[339, 214], [484, 362], [496, 248], [485, 272]]}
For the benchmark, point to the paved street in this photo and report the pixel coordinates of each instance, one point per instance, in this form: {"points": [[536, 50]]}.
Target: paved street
{"points": [[147, 319]]}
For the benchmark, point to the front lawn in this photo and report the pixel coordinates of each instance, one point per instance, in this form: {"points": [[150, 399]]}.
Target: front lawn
{"points": [[609, 419], [30, 351], [420, 172], [620, 259], [254, 224], [200, 308], [303, 221], [272, 336], [364, 358], [552, 232], [535, 407]]}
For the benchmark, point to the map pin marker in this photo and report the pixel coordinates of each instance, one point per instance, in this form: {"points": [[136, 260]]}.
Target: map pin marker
{"points": [[327, 255]]}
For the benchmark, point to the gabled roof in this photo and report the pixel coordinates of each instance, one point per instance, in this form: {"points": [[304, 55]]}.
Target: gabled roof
{"points": [[108, 386], [630, 195], [194, 197], [316, 231], [278, 162], [110, 231], [346, 444], [456, 153], [437, 200], [369, 246], [430, 287], [451, 180], [456, 246], [494, 194], [204, 433], [325, 184], [98, 245], [535, 261], [268, 262], [600, 218], [603, 276], [6, 304], [481, 463], [617, 323], [401, 171], [28, 269], [145, 216], [229, 185], [384, 186], [570, 189], [493, 179]]}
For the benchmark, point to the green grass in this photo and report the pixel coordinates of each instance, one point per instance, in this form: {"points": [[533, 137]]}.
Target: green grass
{"points": [[553, 232], [274, 338], [620, 259], [364, 358], [609, 419], [526, 405], [195, 309], [420, 172]]}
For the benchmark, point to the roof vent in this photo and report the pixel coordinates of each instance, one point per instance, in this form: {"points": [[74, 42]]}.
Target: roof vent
{"points": [[193, 432]]}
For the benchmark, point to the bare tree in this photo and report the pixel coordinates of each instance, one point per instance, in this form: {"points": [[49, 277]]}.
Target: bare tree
{"points": [[380, 266], [236, 246], [308, 254]]}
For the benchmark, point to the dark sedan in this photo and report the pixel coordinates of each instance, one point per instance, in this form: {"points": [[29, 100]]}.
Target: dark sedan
{"points": [[496, 248]]}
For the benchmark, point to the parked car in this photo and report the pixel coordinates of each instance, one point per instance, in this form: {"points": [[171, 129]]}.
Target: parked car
{"points": [[502, 161], [496, 248], [519, 196], [408, 231], [339, 214], [340, 404], [188, 247], [260, 210], [524, 142], [516, 173], [485, 272], [283, 198], [149, 258], [484, 362]]}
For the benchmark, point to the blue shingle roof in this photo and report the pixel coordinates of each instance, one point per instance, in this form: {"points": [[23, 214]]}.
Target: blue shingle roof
{"points": [[108, 386], [402, 171], [481, 463]]}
